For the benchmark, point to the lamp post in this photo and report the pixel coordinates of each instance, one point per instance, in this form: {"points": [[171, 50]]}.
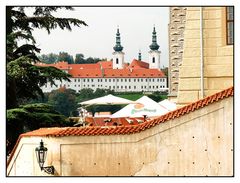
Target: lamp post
{"points": [[41, 154]]}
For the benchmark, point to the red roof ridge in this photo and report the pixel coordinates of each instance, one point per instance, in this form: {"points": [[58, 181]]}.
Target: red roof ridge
{"points": [[106, 130], [130, 129], [104, 69]]}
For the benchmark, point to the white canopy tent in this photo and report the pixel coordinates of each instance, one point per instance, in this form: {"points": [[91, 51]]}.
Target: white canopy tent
{"points": [[168, 105], [108, 100], [144, 106]]}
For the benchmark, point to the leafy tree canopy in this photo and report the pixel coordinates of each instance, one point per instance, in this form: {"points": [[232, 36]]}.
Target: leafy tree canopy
{"points": [[79, 59], [64, 56], [31, 77], [157, 96], [31, 117], [85, 94], [49, 58], [22, 57], [64, 101]]}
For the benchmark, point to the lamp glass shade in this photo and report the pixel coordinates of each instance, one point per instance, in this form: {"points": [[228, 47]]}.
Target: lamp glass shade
{"points": [[41, 154]]}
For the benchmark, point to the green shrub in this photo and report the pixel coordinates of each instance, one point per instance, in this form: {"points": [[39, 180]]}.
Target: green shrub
{"points": [[31, 117]]}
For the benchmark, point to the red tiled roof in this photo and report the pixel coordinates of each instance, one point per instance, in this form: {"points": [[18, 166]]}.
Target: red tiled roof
{"points": [[106, 64], [137, 64], [60, 65], [100, 121], [125, 65], [86, 73], [101, 69], [131, 73], [83, 66], [129, 129], [98, 130]]}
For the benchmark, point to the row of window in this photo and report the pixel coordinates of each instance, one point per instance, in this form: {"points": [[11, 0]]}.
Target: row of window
{"points": [[135, 87], [122, 80], [112, 87]]}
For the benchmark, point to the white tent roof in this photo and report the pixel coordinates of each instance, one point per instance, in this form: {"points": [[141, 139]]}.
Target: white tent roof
{"points": [[168, 105], [107, 100], [144, 106]]}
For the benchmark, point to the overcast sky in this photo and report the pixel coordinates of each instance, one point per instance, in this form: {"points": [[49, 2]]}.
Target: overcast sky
{"points": [[98, 38]]}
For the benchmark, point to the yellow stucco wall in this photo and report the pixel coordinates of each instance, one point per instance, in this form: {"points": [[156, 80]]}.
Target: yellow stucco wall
{"points": [[218, 56], [199, 143]]}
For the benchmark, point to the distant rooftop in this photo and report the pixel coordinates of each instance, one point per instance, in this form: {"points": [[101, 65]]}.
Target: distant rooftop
{"points": [[137, 69]]}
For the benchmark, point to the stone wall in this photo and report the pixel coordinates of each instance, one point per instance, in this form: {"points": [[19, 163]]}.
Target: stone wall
{"points": [[176, 41], [198, 143], [218, 56]]}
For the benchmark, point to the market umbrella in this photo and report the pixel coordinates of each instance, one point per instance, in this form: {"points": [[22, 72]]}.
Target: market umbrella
{"points": [[171, 106], [143, 107], [108, 100]]}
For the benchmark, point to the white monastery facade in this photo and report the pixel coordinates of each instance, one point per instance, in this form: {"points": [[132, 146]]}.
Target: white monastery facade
{"points": [[115, 75]]}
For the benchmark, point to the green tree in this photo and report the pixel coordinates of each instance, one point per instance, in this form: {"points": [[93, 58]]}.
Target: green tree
{"points": [[64, 56], [29, 78], [94, 60], [90, 60], [85, 94], [49, 58], [165, 71], [44, 58], [79, 59], [64, 101], [157, 96], [102, 92], [31, 117], [24, 79]]}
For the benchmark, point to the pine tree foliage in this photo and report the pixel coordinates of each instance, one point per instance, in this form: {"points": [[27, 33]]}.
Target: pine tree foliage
{"points": [[24, 79], [31, 117]]}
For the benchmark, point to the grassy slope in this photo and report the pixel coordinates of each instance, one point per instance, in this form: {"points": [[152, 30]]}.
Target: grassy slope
{"points": [[131, 96], [136, 96]]}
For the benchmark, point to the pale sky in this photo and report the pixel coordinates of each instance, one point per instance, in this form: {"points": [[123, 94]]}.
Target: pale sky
{"points": [[98, 38]]}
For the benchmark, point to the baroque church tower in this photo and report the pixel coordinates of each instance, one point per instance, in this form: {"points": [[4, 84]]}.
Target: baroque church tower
{"points": [[118, 55], [154, 53]]}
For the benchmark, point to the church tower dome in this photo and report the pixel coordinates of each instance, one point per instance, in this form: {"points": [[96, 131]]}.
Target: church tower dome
{"points": [[118, 46], [154, 53], [154, 45], [118, 55]]}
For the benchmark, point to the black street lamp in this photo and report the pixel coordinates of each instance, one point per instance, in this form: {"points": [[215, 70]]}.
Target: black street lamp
{"points": [[41, 154]]}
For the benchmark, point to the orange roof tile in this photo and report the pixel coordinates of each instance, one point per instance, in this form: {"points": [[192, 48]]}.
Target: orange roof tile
{"points": [[106, 121], [97, 130], [60, 65], [101, 69], [83, 66], [86, 73], [137, 64], [105, 64], [133, 73]]}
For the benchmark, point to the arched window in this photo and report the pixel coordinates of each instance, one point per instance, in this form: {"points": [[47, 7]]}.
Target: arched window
{"points": [[153, 60], [116, 60]]}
